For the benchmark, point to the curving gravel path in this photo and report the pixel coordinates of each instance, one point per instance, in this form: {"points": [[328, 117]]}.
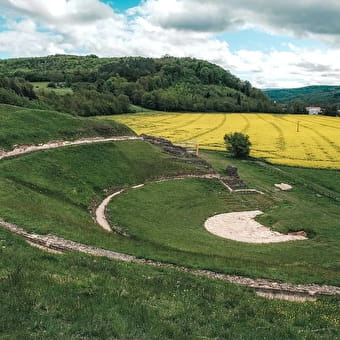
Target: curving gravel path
{"points": [[101, 210], [23, 149]]}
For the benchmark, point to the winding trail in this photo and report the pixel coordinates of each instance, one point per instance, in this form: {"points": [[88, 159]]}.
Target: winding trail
{"points": [[264, 287], [101, 210], [24, 149]]}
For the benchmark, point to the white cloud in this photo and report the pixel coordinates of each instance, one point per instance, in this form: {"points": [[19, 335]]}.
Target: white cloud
{"points": [[199, 16], [303, 18], [76, 11], [159, 27], [26, 25], [298, 67], [23, 43]]}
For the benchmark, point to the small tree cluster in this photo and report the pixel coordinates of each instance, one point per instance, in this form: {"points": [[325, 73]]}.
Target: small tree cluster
{"points": [[238, 144]]}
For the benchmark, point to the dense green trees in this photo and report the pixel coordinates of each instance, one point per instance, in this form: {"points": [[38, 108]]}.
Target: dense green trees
{"points": [[297, 106], [17, 91], [311, 95], [110, 85], [18, 85], [331, 110]]}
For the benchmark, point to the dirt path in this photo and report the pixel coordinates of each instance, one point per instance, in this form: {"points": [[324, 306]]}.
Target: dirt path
{"points": [[101, 210], [263, 287], [23, 149]]}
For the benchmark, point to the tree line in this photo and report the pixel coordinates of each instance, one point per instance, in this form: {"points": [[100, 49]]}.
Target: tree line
{"points": [[297, 99], [104, 86]]}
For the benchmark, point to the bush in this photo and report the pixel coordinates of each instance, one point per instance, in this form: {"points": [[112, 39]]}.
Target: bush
{"points": [[238, 144], [52, 85]]}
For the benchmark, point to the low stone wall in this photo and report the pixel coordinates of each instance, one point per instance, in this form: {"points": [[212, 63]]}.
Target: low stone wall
{"points": [[263, 286], [239, 191], [180, 153]]}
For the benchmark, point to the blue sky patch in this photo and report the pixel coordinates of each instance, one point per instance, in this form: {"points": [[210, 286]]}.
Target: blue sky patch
{"points": [[122, 5], [255, 40]]}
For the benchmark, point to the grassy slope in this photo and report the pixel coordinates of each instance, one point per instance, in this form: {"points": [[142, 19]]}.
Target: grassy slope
{"points": [[26, 126], [172, 215], [73, 296], [51, 192]]}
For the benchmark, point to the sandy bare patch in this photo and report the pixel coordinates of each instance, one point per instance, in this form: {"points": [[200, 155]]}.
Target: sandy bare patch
{"points": [[241, 226], [283, 186]]}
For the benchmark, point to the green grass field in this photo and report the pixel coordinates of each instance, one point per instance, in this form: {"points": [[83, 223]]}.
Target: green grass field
{"points": [[72, 296], [26, 126], [81, 297], [52, 191], [43, 85]]}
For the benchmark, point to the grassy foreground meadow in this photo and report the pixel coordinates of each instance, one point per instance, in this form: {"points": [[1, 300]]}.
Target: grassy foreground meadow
{"points": [[274, 137], [72, 296]]}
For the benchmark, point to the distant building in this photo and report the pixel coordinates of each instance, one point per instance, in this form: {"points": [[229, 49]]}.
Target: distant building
{"points": [[313, 110]]}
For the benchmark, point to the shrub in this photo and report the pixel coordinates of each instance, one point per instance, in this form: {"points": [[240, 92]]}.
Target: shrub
{"points": [[238, 144], [52, 85]]}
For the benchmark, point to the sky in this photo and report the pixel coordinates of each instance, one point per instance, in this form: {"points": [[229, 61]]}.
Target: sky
{"points": [[273, 44]]}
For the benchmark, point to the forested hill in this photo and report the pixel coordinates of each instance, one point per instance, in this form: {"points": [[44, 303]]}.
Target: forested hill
{"points": [[90, 85], [311, 95]]}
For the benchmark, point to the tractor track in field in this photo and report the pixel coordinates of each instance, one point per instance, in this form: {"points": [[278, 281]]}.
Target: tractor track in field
{"points": [[263, 287], [192, 121], [155, 123], [247, 126], [308, 154], [281, 142], [319, 123], [321, 136], [216, 127]]}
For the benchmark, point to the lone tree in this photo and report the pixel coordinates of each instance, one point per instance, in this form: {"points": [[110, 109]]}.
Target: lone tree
{"points": [[238, 144]]}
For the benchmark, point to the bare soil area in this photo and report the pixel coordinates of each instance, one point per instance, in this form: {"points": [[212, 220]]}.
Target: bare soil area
{"points": [[241, 226]]}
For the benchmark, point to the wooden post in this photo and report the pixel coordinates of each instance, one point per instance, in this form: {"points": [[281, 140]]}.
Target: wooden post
{"points": [[196, 149], [298, 126]]}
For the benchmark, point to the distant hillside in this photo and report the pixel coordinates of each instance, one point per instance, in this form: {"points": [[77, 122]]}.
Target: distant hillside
{"points": [[93, 85], [311, 95]]}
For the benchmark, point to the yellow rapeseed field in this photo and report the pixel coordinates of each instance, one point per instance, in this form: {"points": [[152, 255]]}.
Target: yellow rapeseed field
{"points": [[274, 137]]}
